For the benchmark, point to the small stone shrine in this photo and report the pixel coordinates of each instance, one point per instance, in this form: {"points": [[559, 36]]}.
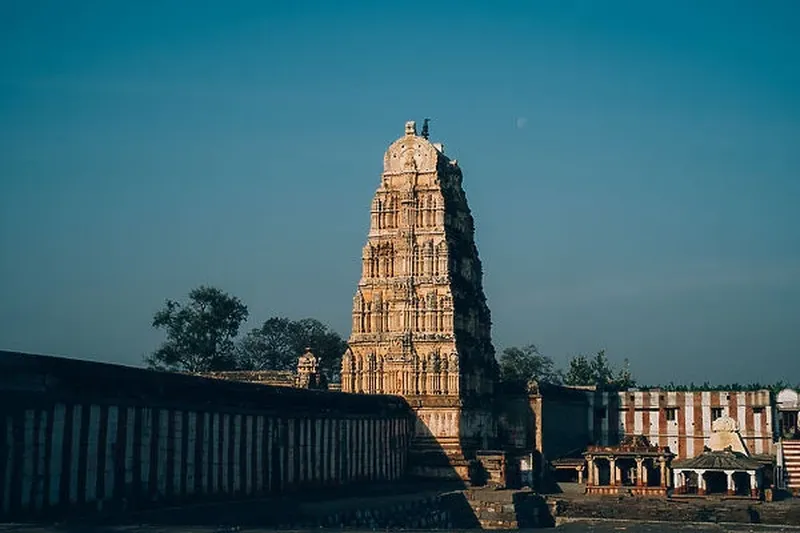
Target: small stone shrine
{"points": [[724, 468], [632, 467], [309, 375]]}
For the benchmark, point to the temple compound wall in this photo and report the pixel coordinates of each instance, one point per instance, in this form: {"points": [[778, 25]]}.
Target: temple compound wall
{"points": [[559, 422], [547, 419], [680, 420], [78, 436], [421, 325]]}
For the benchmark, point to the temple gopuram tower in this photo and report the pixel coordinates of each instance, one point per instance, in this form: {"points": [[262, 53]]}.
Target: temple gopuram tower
{"points": [[421, 325]]}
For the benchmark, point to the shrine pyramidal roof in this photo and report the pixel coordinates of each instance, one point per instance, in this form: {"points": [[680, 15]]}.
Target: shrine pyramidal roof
{"points": [[719, 460]]}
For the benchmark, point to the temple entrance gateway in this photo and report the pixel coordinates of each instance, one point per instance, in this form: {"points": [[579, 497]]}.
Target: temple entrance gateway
{"points": [[421, 326]]}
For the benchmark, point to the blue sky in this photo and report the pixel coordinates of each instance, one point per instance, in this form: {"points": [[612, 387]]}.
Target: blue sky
{"points": [[632, 168]]}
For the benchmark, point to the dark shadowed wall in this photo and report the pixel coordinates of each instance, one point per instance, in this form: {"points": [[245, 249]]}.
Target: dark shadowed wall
{"points": [[80, 436]]}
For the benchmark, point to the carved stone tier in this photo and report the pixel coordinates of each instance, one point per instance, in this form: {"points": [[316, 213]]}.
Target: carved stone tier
{"points": [[421, 325]]}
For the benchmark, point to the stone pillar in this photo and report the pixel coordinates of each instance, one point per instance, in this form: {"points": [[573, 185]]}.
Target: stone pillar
{"points": [[677, 481], [701, 482], [663, 478], [753, 484], [645, 473], [589, 468], [580, 474], [357, 452], [369, 448], [590, 471], [639, 472], [612, 467], [305, 451], [731, 486], [320, 452], [290, 452], [396, 448], [387, 449], [333, 471]]}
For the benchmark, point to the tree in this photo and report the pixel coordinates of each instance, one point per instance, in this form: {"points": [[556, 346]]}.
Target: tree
{"points": [[527, 364], [624, 379], [278, 343], [200, 333], [598, 372], [580, 371], [602, 372]]}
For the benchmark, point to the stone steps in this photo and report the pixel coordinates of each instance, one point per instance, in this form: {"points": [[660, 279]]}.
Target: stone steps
{"points": [[791, 459], [507, 509]]}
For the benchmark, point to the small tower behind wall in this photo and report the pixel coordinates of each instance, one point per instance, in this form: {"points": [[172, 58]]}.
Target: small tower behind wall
{"points": [[309, 375]]}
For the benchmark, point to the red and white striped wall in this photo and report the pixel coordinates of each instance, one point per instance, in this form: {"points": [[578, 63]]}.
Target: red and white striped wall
{"points": [[681, 420], [64, 457]]}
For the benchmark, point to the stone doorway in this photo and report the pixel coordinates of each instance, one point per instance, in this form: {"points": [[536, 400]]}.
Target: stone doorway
{"points": [[628, 472], [716, 483], [741, 483], [691, 482], [653, 473], [787, 423], [603, 472]]}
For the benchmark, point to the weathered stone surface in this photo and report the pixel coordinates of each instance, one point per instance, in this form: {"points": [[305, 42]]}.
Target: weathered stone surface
{"points": [[421, 325], [127, 439]]}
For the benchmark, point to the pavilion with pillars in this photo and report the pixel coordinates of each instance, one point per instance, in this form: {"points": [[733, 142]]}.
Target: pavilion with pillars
{"points": [[725, 467], [726, 473], [632, 467]]}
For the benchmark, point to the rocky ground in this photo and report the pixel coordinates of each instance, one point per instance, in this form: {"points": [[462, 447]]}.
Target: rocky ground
{"points": [[617, 526], [416, 507], [693, 510]]}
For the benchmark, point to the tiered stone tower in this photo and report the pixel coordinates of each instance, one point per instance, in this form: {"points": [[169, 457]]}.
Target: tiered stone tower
{"points": [[421, 326]]}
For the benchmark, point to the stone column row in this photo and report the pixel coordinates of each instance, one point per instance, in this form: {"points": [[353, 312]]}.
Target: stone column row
{"points": [[679, 481], [329, 451]]}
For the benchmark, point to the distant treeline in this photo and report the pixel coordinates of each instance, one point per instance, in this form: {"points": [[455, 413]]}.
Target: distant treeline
{"points": [[528, 364], [733, 387]]}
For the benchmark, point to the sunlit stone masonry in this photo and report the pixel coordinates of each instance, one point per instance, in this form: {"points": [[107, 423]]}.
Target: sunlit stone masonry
{"points": [[421, 325]]}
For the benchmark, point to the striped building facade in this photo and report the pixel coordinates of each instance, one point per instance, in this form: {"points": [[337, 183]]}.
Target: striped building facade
{"points": [[62, 454], [681, 420]]}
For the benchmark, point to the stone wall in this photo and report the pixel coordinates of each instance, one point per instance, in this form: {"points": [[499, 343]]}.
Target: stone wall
{"points": [[548, 419], [277, 378], [681, 420], [563, 428], [78, 436]]}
